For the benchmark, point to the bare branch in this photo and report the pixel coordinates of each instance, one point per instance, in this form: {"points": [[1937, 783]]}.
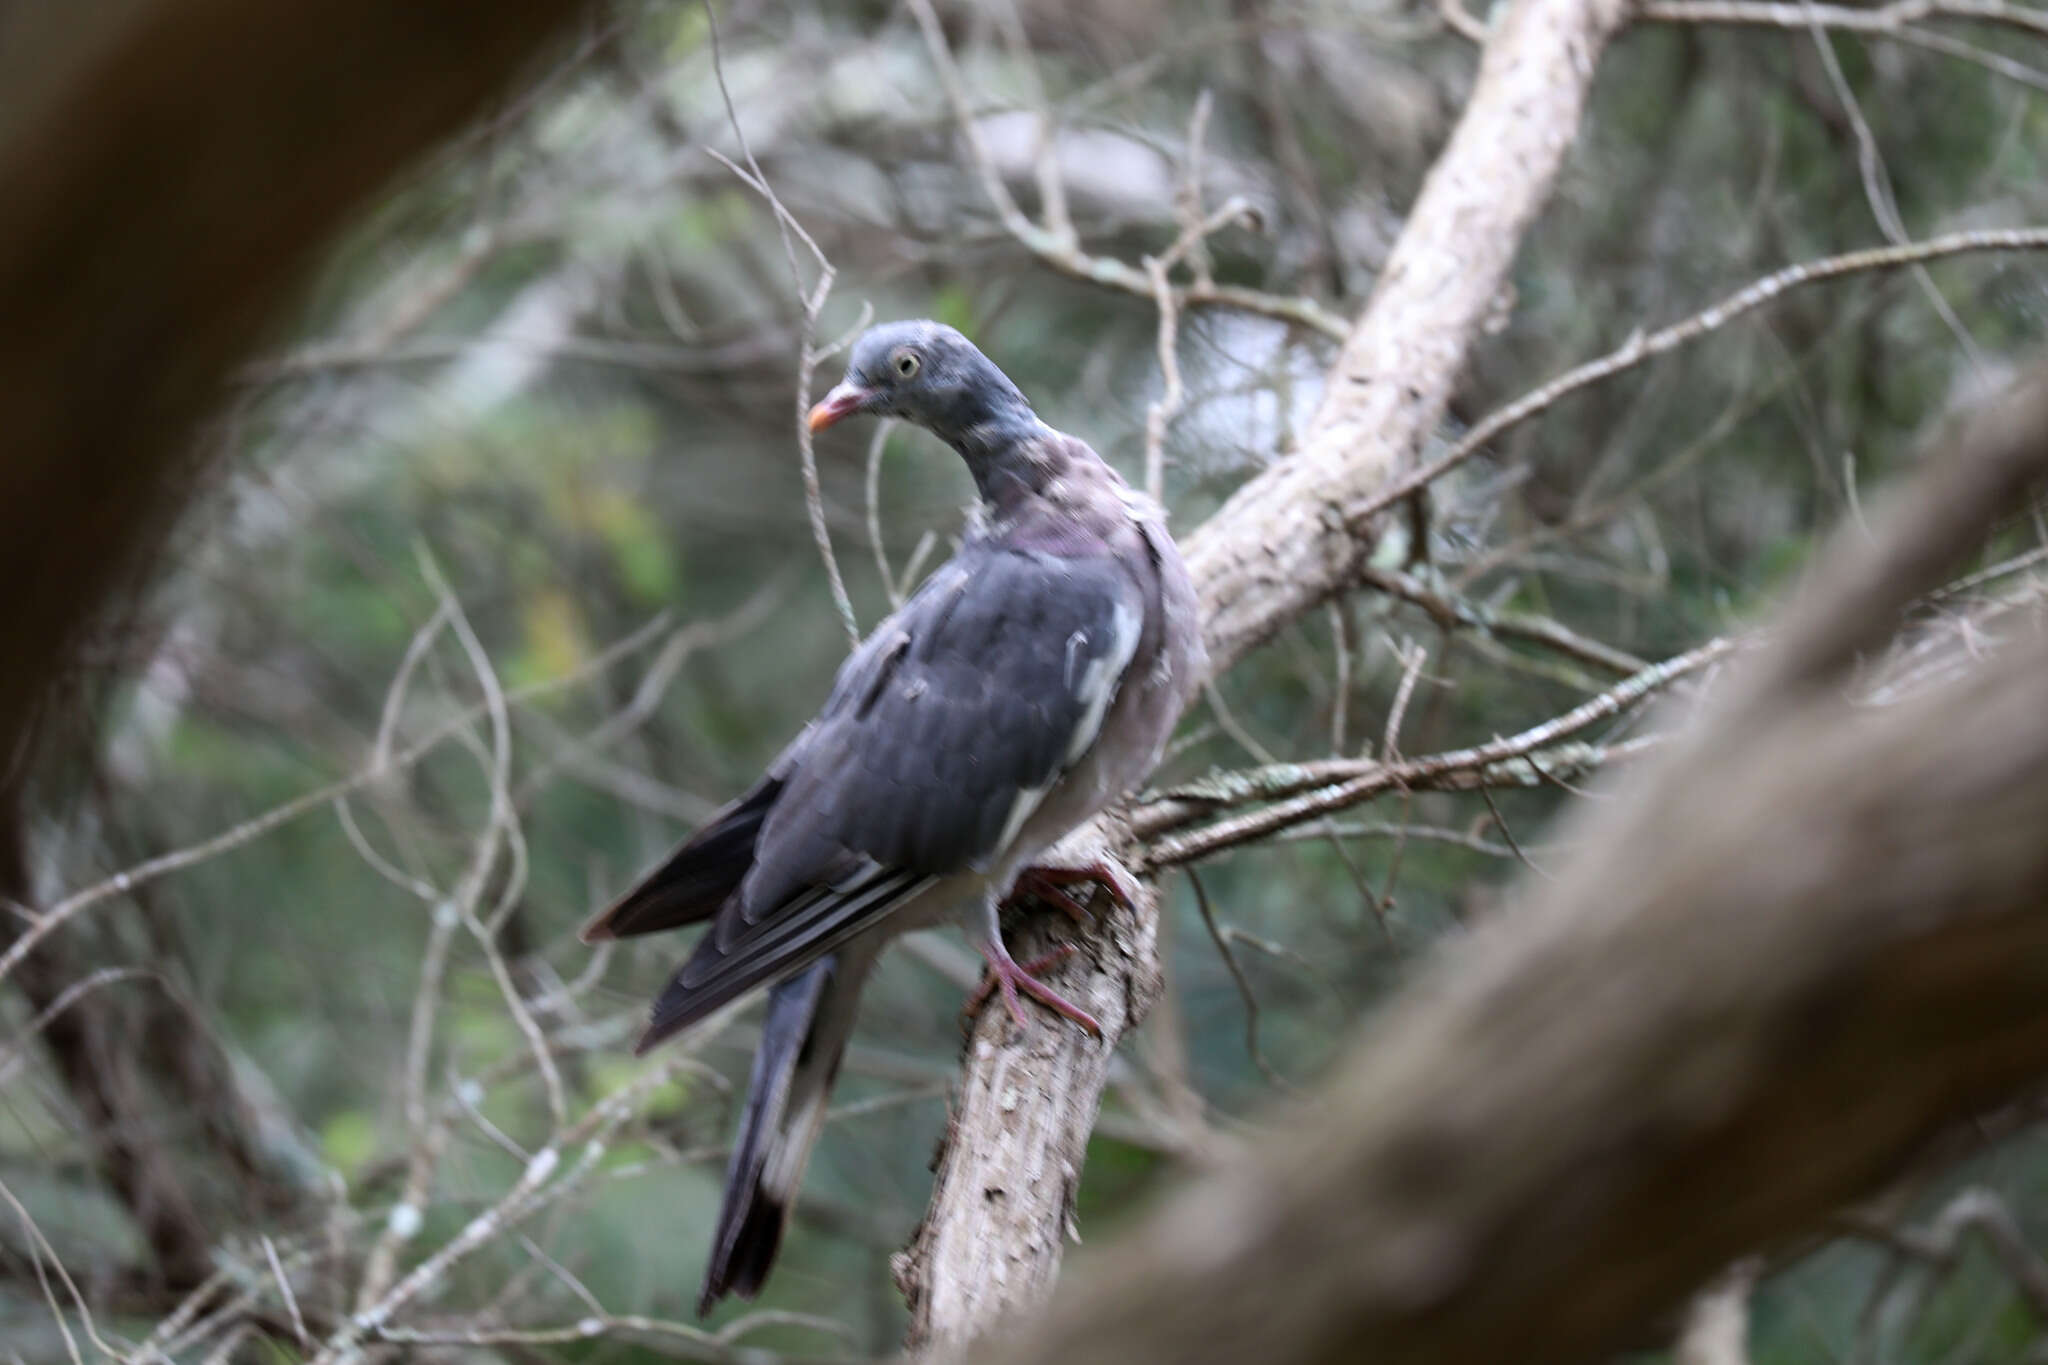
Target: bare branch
{"points": [[1877, 189], [708, 1346], [1879, 19], [1676, 1033], [537, 1186], [1301, 791], [46, 1260], [1271, 553], [1640, 347], [1007, 1171], [501, 829], [44, 923], [1413, 656], [811, 298], [1449, 611], [1273, 550], [1237, 976], [1061, 251]]}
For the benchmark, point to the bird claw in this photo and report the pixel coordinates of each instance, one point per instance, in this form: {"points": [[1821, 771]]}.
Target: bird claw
{"points": [[1006, 974], [1049, 885]]}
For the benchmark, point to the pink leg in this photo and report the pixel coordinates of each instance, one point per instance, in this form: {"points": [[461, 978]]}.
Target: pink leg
{"points": [[1006, 974]]}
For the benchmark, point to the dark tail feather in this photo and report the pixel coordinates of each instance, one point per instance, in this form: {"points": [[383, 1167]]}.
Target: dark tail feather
{"points": [[803, 1037], [696, 878], [781, 944]]}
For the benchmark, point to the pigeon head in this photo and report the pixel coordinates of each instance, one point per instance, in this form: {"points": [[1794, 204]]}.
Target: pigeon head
{"points": [[927, 373]]}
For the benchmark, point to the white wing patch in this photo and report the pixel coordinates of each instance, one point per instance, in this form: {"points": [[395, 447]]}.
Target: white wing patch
{"points": [[1096, 688], [1098, 685], [1020, 811]]}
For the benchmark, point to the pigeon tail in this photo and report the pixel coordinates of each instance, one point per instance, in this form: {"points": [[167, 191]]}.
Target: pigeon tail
{"points": [[803, 1038]]}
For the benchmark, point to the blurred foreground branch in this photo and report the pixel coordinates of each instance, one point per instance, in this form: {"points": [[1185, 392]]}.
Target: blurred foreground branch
{"points": [[165, 193], [137, 268]]}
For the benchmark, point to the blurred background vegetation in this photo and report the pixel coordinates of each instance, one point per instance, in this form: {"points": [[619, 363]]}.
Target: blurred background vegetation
{"points": [[558, 372]]}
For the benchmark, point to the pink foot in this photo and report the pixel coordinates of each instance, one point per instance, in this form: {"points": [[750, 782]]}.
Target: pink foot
{"points": [[1048, 884], [1005, 974]]}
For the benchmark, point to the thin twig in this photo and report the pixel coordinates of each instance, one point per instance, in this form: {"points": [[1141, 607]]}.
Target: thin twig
{"points": [[814, 496], [711, 1346], [1881, 19], [1340, 686], [1507, 835], [1394, 829], [1159, 414], [1974, 1210], [66, 998], [1303, 791], [284, 1289], [1228, 723], [1045, 162], [536, 1187], [501, 827], [1450, 609], [1065, 255], [43, 924], [1641, 346], [394, 696], [1244, 985], [2019, 563], [1412, 661], [1997, 63], [812, 300], [681, 646], [42, 1252], [1877, 184]]}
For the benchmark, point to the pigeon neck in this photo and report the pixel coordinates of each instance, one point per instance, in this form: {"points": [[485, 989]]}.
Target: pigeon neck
{"points": [[1006, 453]]}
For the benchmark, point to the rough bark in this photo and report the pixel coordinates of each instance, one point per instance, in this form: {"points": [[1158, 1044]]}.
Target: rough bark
{"points": [[1009, 1167], [1282, 542], [1803, 940], [1275, 549]]}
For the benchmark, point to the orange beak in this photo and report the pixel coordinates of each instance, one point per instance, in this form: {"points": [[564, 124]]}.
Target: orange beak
{"points": [[842, 402]]}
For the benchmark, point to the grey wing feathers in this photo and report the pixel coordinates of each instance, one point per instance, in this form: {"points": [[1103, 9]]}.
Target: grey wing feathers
{"points": [[821, 920], [697, 878], [999, 681], [942, 734]]}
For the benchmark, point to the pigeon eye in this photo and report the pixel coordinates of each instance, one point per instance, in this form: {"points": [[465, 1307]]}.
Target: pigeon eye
{"points": [[906, 363]]}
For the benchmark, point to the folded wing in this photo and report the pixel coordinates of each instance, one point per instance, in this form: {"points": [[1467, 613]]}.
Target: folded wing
{"points": [[697, 878], [943, 733]]}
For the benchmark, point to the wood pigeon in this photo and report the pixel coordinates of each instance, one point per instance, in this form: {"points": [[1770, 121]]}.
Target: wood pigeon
{"points": [[1030, 681]]}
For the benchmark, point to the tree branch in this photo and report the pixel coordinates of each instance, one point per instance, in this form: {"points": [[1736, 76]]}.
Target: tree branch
{"points": [[1884, 19], [1275, 549], [1281, 543], [1002, 1202], [1642, 346], [1803, 940]]}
